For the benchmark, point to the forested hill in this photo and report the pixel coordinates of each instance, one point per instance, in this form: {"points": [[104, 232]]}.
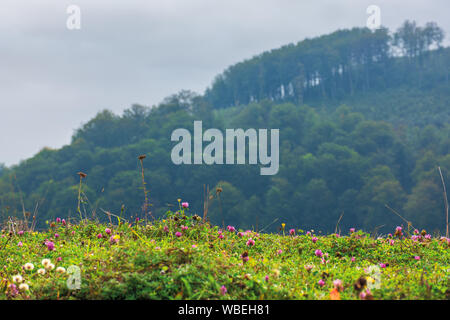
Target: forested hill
{"points": [[349, 66], [363, 119]]}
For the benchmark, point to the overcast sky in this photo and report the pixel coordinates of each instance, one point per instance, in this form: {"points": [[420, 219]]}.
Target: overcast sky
{"points": [[52, 79]]}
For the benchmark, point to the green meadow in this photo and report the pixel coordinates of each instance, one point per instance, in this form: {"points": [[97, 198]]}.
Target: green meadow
{"points": [[183, 257]]}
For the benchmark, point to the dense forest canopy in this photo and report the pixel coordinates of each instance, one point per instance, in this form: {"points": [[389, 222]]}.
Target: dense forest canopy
{"points": [[363, 119], [332, 66]]}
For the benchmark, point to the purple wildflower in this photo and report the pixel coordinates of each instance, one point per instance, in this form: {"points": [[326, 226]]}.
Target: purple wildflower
{"points": [[50, 245], [223, 290]]}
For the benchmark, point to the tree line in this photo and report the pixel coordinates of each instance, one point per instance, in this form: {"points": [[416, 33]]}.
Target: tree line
{"points": [[328, 67]]}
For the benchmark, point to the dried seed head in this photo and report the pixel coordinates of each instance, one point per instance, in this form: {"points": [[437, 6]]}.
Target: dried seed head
{"points": [[219, 190], [360, 283], [82, 175], [142, 157]]}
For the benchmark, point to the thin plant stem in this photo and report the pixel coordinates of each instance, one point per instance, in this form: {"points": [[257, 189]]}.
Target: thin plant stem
{"points": [[445, 201], [146, 212]]}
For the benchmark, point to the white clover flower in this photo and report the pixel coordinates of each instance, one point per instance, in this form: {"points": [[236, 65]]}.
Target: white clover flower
{"points": [[46, 262], [17, 278], [24, 287], [60, 269], [50, 266], [29, 266], [41, 271]]}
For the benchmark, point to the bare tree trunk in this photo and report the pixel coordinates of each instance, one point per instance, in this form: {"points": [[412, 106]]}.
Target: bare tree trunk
{"points": [[445, 201]]}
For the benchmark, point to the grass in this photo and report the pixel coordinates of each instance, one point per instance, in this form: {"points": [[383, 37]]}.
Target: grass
{"points": [[181, 257]]}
